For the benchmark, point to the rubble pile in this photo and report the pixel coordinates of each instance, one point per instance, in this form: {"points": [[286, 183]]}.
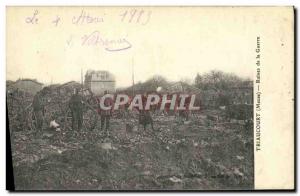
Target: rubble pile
{"points": [[204, 152]]}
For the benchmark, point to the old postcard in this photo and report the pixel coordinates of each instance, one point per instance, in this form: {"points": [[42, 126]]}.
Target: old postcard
{"points": [[150, 98]]}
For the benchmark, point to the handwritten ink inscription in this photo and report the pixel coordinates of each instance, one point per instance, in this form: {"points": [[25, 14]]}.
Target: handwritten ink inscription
{"points": [[111, 45], [32, 19], [56, 20], [136, 16], [84, 17]]}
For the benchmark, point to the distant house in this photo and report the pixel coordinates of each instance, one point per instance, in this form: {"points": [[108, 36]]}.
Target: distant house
{"points": [[243, 93], [99, 82], [182, 87], [209, 98], [31, 86]]}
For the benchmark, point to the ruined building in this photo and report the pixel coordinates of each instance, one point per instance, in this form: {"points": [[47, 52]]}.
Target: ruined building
{"points": [[100, 81], [31, 86]]}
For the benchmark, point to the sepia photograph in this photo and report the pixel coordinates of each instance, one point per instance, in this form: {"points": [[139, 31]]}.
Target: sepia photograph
{"points": [[136, 98]]}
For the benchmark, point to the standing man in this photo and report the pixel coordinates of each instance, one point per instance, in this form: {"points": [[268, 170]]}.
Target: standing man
{"points": [[106, 114], [38, 105], [76, 107]]}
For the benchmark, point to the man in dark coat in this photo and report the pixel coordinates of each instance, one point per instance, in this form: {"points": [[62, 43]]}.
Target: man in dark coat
{"points": [[76, 107], [106, 114], [38, 105]]}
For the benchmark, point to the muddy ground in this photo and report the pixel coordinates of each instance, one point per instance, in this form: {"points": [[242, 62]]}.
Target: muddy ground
{"points": [[198, 154]]}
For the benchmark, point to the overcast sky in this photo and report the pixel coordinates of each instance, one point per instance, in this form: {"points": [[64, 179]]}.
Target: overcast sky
{"points": [[176, 43]]}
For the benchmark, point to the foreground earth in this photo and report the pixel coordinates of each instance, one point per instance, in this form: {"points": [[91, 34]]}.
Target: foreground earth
{"points": [[197, 154]]}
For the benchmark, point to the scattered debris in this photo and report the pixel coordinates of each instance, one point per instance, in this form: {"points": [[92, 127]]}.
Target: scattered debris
{"points": [[175, 179], [202, 153]]}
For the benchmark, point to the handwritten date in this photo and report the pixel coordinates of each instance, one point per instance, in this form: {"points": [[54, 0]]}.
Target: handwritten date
{"points": [[136, 16]]}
